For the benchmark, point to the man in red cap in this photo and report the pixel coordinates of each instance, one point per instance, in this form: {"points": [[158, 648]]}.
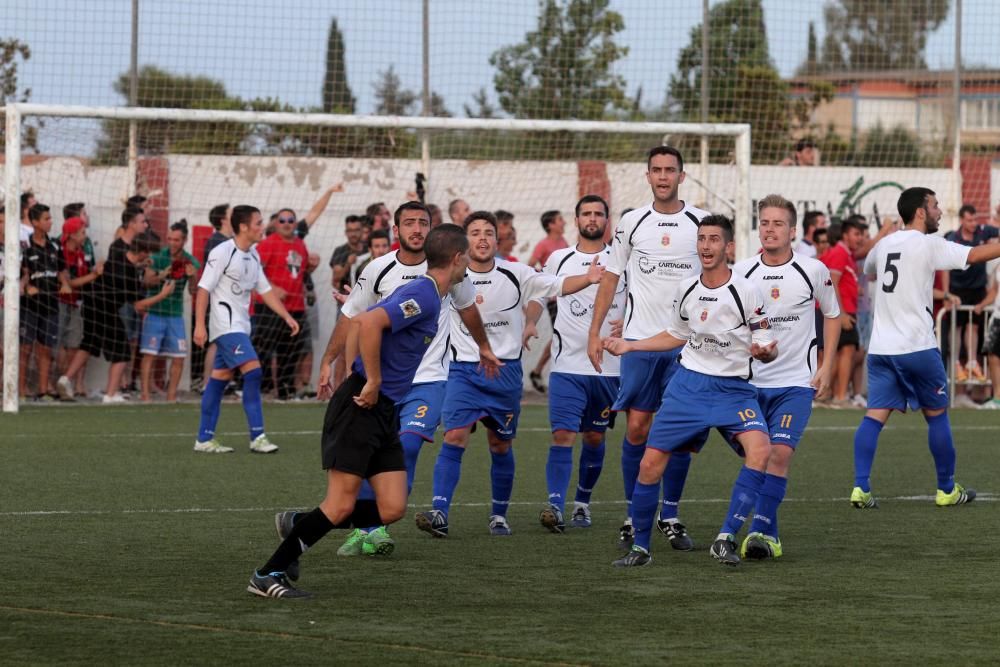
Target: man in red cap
{"points": [[79, 274]]}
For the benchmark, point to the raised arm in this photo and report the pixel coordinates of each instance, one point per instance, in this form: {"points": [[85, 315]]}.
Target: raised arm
{"points": [[324, 200]]}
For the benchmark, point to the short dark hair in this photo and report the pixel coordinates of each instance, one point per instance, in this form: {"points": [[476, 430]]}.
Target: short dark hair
{"points": [[809, 220], [145, 242], [366, 221], [853, 222], [479, 215], [452, 204], [373, 209], [136, 201], [406, 206], [803, 144], [129, 214], [352, 219], [720, 221], [966, 208], [180, 226], [818, 233], [25, 196], [36, 212], [217, 215], [548, 218], [503, 217], [241, 216], [280, 210], [910, 200], [664, 150], [443, 243], [592, 199], [379, 234], [73, 210]]}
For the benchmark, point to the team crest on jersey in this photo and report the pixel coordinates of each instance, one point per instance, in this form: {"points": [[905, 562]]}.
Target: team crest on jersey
{"points": [[704, 315], [410, 308], [665, 240], [479, 299], [775, 293]]}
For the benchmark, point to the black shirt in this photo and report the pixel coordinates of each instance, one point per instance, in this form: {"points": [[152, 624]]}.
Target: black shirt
{"points": [[43, 265], [973, 277], [121, 282], [217, 238]]}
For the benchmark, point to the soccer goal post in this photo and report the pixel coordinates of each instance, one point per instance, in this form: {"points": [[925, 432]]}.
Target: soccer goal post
{"points": [[188, 160]]}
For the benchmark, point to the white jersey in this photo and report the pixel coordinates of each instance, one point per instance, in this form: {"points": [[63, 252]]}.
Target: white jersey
{"points": [[501, 294], [805, 249], [791, 291], [572, 325], [385, 275], [719, 325], [654, 252], [230, 275], [902, 291]]}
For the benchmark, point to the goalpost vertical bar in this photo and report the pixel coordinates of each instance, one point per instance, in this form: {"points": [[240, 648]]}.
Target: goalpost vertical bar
{"points": [[12, 259], [743, 205]]}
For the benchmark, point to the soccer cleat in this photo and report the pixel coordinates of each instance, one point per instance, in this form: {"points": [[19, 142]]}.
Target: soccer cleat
{"points": [[676, 533], [354, 544], [626, 536], [113, 399], [283, 523], [274, 585], [581, 517], [499, 525], [758, 546], [724, 551], [863, 500], [992, 404], [536, 382], [636, 557], [434, 522], [552, 519], [212, 446], [958, 496], [65, 388], [378, 543], [261, 445]]}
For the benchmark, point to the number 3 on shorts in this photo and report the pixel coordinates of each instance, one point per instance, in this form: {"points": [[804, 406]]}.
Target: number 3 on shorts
{"points": [[421, 412]]}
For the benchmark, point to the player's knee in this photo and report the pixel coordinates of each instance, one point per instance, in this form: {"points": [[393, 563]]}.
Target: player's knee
{"points": [[458, 437], [637, 431], [780, 459], [563, 438], [499, 446], [592, 438], [391, 511], [653, 463], [336, 509]]}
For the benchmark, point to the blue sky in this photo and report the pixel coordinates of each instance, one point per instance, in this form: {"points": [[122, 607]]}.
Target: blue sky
{"points": [[264, 48]]}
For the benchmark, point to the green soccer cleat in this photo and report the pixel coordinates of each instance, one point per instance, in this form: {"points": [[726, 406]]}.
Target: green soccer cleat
{"points": [[758, 546], [378, 543], [354, 545], [958, 496], [864, 500], [212, 446]]}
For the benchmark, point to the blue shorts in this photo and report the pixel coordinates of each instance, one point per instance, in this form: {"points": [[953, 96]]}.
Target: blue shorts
{"points": [[131, 320], [644, 378], [232, 350], [581, 403], [41, 328], [787, 411], [914, 380], [696, 403], [472, 397], [164, 336], [420, 411]]}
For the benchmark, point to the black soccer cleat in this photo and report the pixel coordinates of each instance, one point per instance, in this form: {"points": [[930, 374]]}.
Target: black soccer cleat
{"points": [[274, 585], [434, 522], [626, 537], [283, 523], [636, 557], [676, 533], [724, 551]]}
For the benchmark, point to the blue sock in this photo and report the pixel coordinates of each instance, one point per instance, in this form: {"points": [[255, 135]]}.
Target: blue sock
{"points": [[211, 404], [502, 476], [673, 483], [765, 518], [411, 450], [252, 405], [644, 502], [943, 450], [558, 470], [591, 464], [366, 492], [447, 470], [865, 444], [631, 457], [741, 504]]}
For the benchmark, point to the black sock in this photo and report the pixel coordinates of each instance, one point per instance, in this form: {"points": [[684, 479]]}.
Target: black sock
{"points": [[308, 529], [365, 515]]}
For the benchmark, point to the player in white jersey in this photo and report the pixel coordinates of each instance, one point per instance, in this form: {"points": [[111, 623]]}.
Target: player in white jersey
{"points": [[904, 365], [580, 397], [654, 248], [420, 411], [719, 318], [791, 285], [232, 271], [502, 290]]}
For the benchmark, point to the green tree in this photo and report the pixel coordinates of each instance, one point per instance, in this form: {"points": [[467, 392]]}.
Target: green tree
{"points": [[337, 96], [897, 147], [483, 107], [12, 50], [564, 67], [391, 98], [811, 65], [865, 36]]}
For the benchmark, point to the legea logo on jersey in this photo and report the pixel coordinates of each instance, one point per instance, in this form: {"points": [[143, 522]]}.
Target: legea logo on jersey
{"points": [[775, 293]]}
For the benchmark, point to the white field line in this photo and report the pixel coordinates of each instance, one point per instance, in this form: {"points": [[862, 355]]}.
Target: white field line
{"points": [[981, 497]]}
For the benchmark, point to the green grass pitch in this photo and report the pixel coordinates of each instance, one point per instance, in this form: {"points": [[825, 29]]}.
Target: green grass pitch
{"points": [[122, 546]]}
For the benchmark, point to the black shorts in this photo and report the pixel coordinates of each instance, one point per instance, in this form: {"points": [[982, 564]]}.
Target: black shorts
{"points": [[849, 337], [104, 332], [992, 344], [359, 441]]}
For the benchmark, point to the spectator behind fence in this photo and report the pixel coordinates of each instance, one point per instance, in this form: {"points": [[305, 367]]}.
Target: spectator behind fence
{"points": [[806, 155], [811, 222], [80, 273], [992, 344], [458, 211], [346, 255]]}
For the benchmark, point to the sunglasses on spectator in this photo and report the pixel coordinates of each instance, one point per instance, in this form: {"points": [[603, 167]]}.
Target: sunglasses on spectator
{"points": [[286, 221]]}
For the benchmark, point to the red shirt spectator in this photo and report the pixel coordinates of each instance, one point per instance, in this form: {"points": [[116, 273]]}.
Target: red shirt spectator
{"points": [[840, 259], [546, 247], [284, 263]]}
